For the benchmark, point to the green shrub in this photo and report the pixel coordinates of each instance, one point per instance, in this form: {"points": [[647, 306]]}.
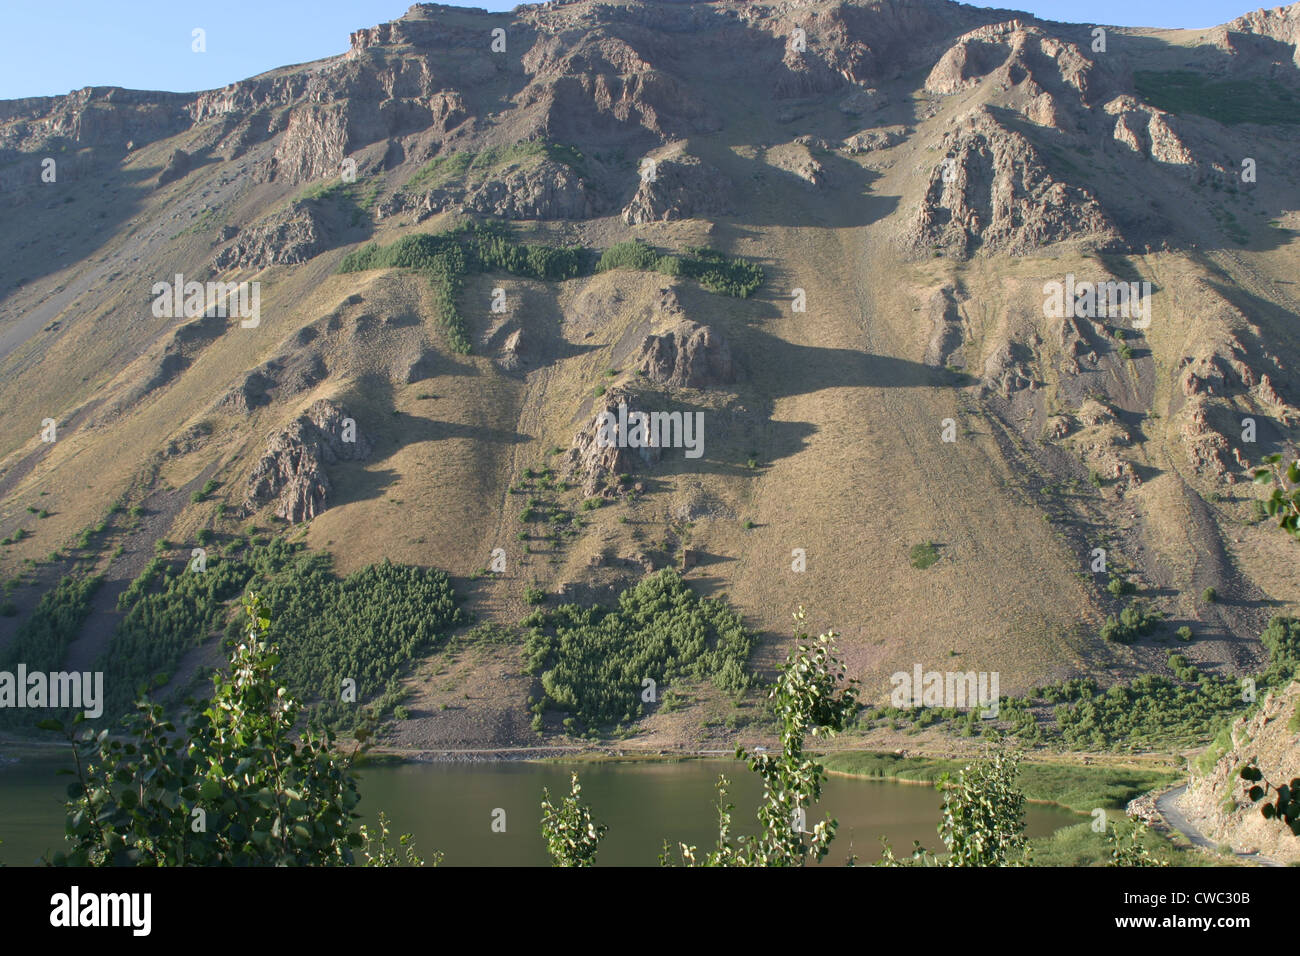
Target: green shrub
{"points": [[592, 661], [1209, 595], [923, 555], [720, 273], [1136, 620], [628, 255], [1259, 511], [1119, 586]]}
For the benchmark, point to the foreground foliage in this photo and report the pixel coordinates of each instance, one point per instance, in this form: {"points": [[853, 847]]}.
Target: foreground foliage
{"points": [[983, 821], [811, 696], [571, 838], [233, 784]]}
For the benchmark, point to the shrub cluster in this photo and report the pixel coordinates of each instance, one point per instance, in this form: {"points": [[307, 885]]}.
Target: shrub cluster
{"points": [[714, 270], [592, 661], [367, 626], [447, 257]]}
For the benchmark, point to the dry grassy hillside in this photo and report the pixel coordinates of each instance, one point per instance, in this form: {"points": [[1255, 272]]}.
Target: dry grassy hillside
{"points": [[912, 174]]}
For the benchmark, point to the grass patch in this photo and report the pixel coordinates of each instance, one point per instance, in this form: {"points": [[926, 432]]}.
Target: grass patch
{"points": [[465, 165], [355, 199], [1227, 101], [1072, 786], [923, 555]]}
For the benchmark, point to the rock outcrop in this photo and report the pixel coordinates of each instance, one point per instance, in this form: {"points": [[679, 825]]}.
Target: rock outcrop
{"points": [[1011, 54], [1215, 801], [596, 467], [870, 140], [1280, 24], [178, 165], [947, 332], [1100, 443], [1148, 132], [293, 236], [549, 190], [291, 473], [688, 355], [680, 188], [992, 193]]}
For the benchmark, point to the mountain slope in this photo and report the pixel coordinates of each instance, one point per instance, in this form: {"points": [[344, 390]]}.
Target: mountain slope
{"points": [[920, 171]]}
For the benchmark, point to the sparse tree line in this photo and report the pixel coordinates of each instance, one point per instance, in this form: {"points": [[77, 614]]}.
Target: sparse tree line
{"points": [[470, 248]]}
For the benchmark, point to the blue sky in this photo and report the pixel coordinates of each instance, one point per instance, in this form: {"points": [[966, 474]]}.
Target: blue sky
{"points": [[50, 47]]}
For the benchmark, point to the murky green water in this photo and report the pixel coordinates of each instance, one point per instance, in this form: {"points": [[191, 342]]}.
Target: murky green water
{"points": [[450, 807]]}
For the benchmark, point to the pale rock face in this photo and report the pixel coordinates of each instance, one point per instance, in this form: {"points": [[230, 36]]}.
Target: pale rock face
{"points": [[1280, 23], [1001, 198], [689, 355], [1007, 52], [682, 188], [292, 471], [1148, 132]]}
